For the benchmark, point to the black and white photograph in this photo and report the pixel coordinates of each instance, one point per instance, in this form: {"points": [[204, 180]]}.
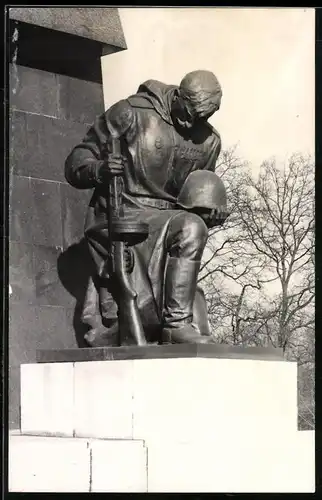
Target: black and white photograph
{"points": [[161, 249]]}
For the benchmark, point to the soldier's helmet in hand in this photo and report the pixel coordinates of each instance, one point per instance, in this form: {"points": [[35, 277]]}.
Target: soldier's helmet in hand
{"points": [[202, 189]]}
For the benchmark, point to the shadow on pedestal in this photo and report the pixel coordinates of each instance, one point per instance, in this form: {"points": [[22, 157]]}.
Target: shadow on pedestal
{"points": [[74, 267]]}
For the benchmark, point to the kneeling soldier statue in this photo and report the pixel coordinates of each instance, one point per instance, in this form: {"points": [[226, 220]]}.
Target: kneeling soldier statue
{"points": [[150, 159]]}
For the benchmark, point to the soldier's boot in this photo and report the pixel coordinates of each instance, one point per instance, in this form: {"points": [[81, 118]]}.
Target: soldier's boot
{"points": [[102, 336], [102, 331], [179, 293]]}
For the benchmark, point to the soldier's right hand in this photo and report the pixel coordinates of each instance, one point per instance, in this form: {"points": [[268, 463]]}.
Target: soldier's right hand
{"points": [[113, 166]]}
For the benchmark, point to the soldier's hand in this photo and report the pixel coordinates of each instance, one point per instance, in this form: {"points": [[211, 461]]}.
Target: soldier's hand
{"points": [[116, 164], [113, 166], [218, 216]]}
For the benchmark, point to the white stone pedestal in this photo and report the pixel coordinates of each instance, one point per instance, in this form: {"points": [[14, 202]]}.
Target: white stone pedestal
{"points": [[206, 423], [174, 399]]}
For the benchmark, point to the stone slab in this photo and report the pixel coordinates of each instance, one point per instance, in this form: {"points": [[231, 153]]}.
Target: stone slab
{"points": [[35, 215], [118, 466], [179, 399], [48, 464], [47, 399], [38, 464], [158, 352], [237, 463], [102, 399], [246, 463], [194, 399]]}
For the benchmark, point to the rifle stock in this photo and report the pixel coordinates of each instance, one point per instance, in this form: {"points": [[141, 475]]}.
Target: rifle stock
{"points": [[128, 312]]}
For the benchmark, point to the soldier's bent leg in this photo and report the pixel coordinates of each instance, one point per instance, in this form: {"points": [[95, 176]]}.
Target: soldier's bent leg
{"points": [[99, 304], [186, 240]]}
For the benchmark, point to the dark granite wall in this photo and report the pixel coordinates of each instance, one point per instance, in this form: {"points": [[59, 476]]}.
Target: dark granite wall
{"points": [[49, 114]]}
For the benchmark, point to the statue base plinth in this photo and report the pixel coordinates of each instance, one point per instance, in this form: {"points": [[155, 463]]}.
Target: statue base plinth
{"points": [[202, 413], [153, 351]]}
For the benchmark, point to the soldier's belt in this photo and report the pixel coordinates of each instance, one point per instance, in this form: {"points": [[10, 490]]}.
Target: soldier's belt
{"points": [[155, 203]]}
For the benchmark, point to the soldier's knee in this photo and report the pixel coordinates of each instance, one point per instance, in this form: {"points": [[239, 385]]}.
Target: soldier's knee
{"points": [[196, 228], [187, 236]]}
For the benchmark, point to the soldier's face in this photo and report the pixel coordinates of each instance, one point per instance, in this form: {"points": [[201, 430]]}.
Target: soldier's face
{"points": [[187, 117], [184, 113]]}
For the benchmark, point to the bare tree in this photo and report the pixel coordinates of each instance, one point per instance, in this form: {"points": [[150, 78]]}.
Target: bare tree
{"points": [[231, 270], [306, 397], [225, 258], [277, 215]]}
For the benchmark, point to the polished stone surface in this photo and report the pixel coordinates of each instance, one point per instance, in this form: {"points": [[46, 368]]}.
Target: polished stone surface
{"points": [[19, 208], [40, 144], [49, 289], [64, 135], [17, 132], [21, 272], [34, 91], [45, 213], [53, 95], [35, 153], [35, 212], [78, 100], [74, 205], [157, 352], [100, 24], [37, 277]]}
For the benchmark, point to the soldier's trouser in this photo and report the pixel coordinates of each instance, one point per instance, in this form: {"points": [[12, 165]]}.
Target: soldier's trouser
{"points": [[186, 240]]}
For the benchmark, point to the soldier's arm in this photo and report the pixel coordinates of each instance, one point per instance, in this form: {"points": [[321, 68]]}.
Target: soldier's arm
{"points": [[214, 150], [218, 215], [86, 162]]}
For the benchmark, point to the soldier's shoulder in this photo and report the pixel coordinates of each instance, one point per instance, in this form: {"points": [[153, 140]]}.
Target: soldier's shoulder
{"points": [[120, 108], [120, 115], [139, 101], [214, 131]]}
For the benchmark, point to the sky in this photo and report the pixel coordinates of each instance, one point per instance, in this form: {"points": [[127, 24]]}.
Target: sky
{"points": [[263, 58]]}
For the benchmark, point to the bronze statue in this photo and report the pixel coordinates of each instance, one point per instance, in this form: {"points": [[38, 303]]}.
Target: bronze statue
{"points": [[152, 209]]}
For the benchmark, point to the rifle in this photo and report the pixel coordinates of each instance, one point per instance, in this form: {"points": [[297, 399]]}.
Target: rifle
{"points": [[123, 233]]}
